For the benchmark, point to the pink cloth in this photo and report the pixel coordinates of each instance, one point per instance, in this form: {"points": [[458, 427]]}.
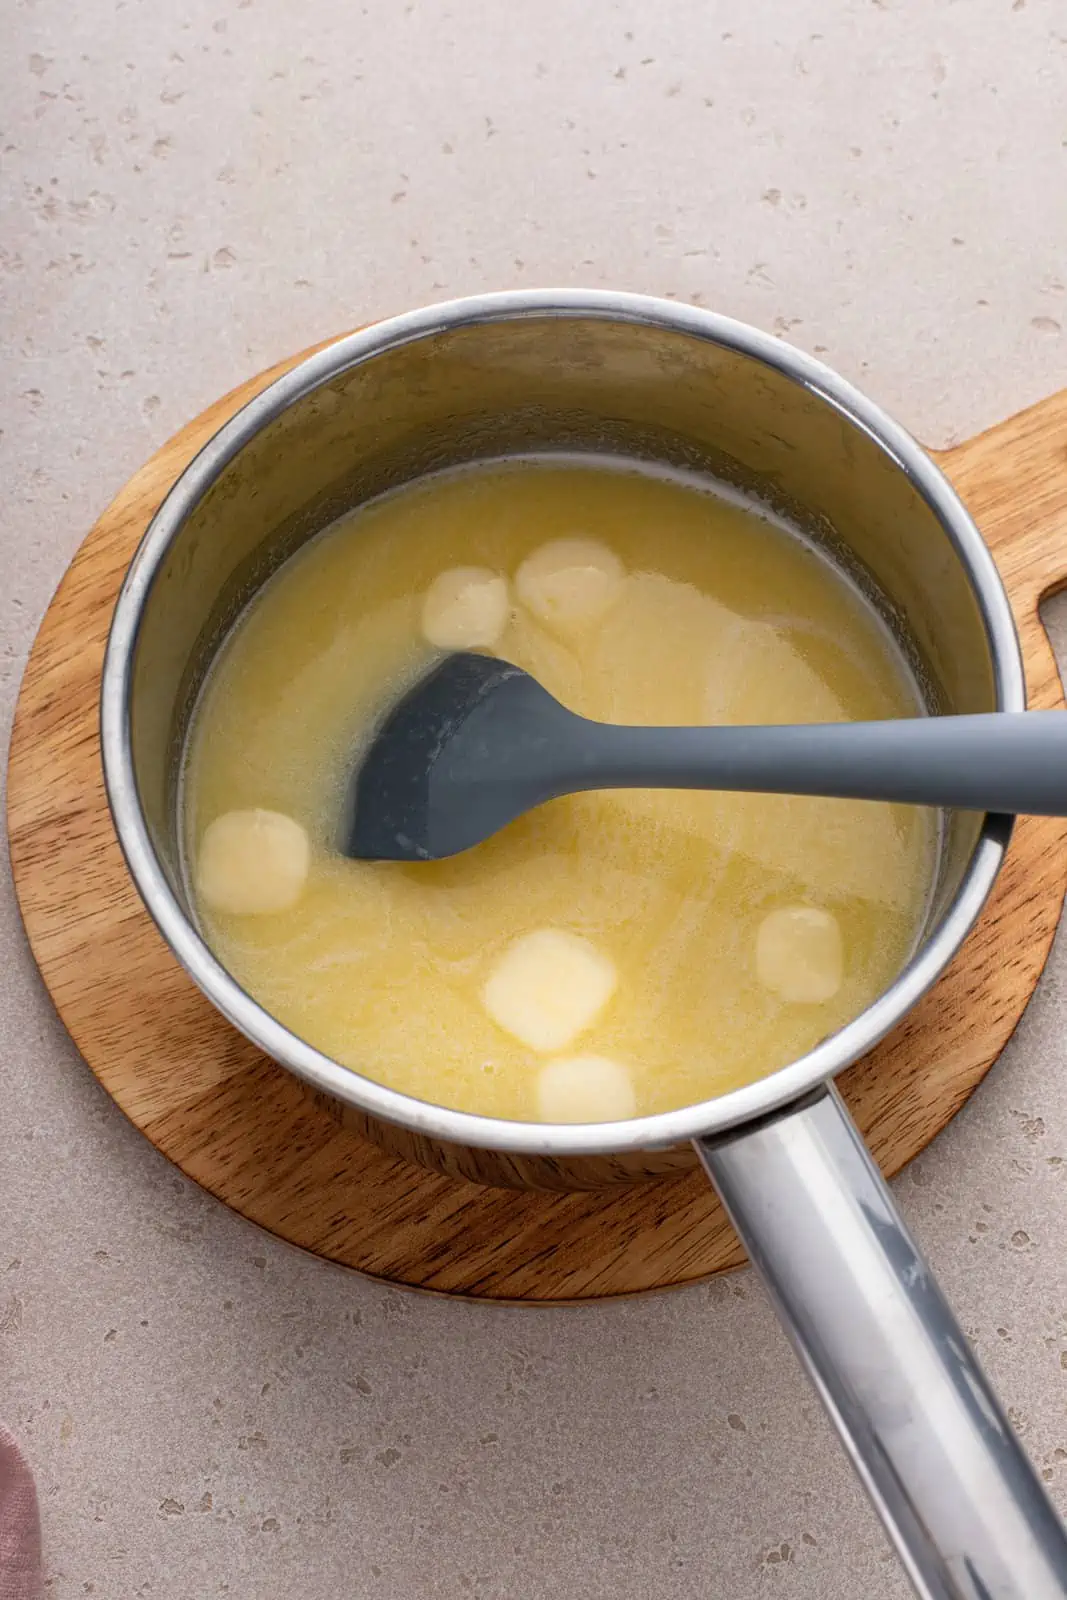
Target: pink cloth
{"points": [[20, 1526]]}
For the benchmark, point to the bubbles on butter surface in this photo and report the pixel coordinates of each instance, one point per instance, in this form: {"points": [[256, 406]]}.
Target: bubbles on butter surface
{"points": [[585, 1089], [465, 608], [548, 987], [799, 954], [252, 862]]}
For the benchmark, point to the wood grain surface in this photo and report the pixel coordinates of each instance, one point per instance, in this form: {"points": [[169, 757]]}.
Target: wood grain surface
{"points": [[248, 1132]]}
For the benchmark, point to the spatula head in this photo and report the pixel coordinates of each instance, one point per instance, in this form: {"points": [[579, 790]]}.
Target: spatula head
{"points": [[457, 759]]}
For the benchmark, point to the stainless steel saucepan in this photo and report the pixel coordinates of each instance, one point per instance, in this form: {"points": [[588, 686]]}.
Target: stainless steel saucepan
{"points": [[592, 371]]}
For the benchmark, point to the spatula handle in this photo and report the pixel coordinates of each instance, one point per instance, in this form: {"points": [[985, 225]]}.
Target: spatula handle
{"points": [[1007, 761]]}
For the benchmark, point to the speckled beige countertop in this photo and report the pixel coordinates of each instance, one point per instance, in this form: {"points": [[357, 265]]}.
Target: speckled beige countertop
{"points": [[195, 188]]}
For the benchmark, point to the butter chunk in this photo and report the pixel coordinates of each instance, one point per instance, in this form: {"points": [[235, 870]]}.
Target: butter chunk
{"points": [[569, 584], [548, 987], [252, 862], [465, 608], [585, 1089], [799, 955]]}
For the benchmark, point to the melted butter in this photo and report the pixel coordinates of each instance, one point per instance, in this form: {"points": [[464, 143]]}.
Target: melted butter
{"points": [[722, 616]]}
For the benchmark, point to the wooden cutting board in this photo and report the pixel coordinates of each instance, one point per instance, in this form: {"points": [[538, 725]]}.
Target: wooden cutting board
{"points": [[248, 1131]]}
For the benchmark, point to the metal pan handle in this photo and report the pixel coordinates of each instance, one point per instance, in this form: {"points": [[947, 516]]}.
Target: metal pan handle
{"points": [[938, 1457]]}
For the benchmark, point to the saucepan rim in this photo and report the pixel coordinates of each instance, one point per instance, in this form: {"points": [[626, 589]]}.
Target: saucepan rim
{"points": [[664, 1129]]}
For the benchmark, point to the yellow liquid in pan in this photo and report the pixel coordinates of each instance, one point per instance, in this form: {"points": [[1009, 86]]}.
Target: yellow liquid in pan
{"points": [[687, 943]]}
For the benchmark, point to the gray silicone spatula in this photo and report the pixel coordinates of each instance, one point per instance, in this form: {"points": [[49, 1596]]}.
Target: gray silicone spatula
{"points": [[477, 742]]}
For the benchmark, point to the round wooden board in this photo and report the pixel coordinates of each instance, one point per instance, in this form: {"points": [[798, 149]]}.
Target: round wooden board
{"points": [[247, 1131]]}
